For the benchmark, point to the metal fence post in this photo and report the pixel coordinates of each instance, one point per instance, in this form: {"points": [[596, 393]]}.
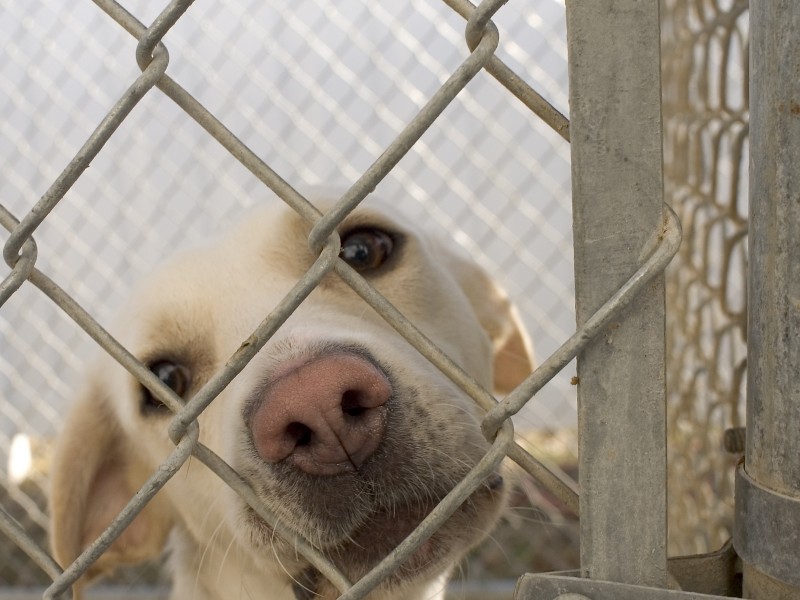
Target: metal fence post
{"points": [[615, 115], [767, 532]]}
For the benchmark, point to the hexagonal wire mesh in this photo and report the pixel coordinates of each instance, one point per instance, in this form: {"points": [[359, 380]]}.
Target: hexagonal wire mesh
{"points": [[705, 50], [318, 91]]}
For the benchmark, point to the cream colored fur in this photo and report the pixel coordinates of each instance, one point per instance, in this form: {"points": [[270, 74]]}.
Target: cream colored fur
{"points": [[198, 308]]}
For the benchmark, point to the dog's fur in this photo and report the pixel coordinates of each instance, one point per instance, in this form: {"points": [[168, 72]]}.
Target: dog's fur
{"points": [[197, 310]]}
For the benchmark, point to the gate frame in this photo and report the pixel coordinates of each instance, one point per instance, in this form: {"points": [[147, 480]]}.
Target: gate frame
{"points": [[767, 525], [615, 121]]}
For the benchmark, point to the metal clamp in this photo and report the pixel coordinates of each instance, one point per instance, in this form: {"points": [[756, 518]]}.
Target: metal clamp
{"points": [[767, 529], [550, 587]]}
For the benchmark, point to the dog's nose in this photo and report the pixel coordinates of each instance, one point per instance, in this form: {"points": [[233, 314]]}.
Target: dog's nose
{"points": [[325, 417]]}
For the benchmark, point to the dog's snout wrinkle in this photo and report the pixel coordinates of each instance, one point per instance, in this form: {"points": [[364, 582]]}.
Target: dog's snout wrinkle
{"points": [[325, 417]]}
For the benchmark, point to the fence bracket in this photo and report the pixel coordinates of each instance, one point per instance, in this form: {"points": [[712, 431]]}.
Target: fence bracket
{"points": [[717, 572], [712, 575], [552, 587], [767, 529]]}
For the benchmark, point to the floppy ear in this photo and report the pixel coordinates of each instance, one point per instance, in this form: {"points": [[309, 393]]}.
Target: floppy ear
{"points": [[94, 474], [513, 351]]}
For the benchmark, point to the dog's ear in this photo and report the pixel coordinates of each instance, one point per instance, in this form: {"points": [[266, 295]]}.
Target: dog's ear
{"points": [[94, 474], [513, 351]]}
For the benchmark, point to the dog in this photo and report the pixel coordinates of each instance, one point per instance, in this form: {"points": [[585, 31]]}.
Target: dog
{"points": [[341, 428]]}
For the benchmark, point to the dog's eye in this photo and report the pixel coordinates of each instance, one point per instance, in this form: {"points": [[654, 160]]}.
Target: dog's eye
{"points": [[174, 376], [366, 249]]}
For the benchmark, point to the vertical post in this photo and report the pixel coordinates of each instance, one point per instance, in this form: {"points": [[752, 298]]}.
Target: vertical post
{"points": [[615, 124], [767, 532]]}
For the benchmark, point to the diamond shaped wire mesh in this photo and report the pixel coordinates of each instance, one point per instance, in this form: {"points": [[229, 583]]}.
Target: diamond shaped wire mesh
{"points": [[316, 90]]}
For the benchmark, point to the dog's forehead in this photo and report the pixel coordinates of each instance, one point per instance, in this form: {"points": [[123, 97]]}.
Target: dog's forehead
{"points": [[240, 275], [278, 226]]}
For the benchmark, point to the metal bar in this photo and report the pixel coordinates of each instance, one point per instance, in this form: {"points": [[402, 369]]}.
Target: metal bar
{"points": [[20, 271], [125, 517], [559, 487], [669, 239], [772, 456], [615, 122], [414, 336], [411, 133], [768, 530], [251, 346], [164, 394], [158, 29], [110, 123], [437, 517], [535, 102], [214, 126], [717, 572], [314, 556], [86, 322], [482, 38], [464, 590], [555, 587], [562, 488], [17, 534]]}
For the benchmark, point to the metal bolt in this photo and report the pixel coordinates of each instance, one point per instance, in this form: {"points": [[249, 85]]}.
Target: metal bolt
{"points": [[734, 440]]}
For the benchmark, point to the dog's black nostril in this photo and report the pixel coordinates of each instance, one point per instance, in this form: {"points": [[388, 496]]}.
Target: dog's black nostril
{"points": [[325, 417], [352, 404], [301, 434]]}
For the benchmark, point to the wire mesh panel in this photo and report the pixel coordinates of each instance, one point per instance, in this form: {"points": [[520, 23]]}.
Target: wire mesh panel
{"points": [[705, 56], [316, 90], [340, 99]]}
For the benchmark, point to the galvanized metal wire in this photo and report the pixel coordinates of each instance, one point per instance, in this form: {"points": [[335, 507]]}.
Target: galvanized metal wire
{"points": [[20, 253], [17, 534], [482, 42]]}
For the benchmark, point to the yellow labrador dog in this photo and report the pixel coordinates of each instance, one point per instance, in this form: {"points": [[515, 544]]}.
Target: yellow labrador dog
{"points": [[346, 432]]}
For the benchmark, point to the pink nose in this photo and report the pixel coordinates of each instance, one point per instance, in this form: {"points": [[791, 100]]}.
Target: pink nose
{"points": [[325, 417]]}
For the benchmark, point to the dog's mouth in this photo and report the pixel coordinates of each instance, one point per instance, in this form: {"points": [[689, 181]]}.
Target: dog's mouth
{"points": [[357, 517], [387, 527]]}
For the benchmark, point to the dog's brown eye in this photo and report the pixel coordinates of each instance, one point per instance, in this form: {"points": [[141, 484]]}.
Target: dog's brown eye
{"points": [[366, 249], [174, 376]]}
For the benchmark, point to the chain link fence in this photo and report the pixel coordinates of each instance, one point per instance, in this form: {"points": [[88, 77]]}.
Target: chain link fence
{"points": [[705, 50], [318, 91]]}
